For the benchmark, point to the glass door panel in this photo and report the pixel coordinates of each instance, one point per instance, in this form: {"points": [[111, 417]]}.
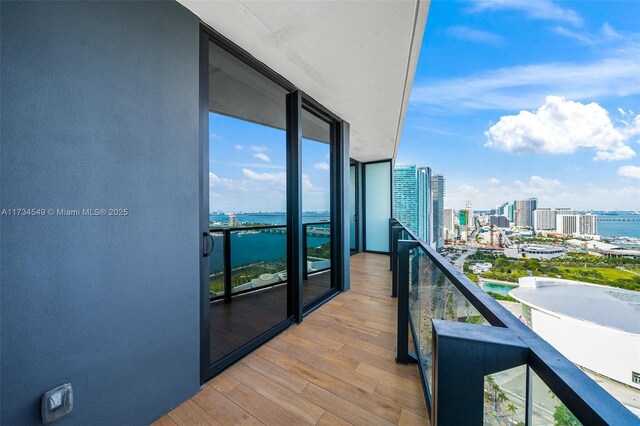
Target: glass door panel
{"points": [[247, 207], [316, 206], [377, 206]]}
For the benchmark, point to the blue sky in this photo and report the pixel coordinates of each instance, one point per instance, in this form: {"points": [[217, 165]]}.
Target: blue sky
{"points": [[247, 168], [521, 98]]}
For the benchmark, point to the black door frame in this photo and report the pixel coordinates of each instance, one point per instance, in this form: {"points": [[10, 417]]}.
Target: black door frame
{"points": [[357, 213], [295, 101]]}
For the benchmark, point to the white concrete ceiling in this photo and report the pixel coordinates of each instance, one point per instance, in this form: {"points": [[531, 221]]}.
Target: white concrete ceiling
{"points": [[357, 58]]}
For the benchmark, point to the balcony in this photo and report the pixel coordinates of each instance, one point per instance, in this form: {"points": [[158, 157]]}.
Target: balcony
{"points": [[354, 361], [336, 367]]}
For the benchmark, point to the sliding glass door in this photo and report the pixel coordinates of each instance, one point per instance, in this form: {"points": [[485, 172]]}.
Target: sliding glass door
{"points": [[247, 198], [317, 138], [272, 163]]}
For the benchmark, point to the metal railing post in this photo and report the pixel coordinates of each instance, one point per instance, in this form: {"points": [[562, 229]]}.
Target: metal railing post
{"points": [[402, 268], [463, 354], [528, 390], [396, 230], [305, 272], [392, 222], [226, 250]]}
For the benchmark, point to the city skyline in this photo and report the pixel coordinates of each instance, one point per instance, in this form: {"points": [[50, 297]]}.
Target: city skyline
{"points": [[515, 99]]}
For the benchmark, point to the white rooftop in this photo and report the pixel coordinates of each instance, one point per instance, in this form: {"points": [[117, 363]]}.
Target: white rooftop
{"points": [[606, 306]]}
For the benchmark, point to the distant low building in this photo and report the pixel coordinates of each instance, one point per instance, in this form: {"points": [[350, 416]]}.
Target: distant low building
{"points": [[601, 249], [479, 268], [534, 251]]}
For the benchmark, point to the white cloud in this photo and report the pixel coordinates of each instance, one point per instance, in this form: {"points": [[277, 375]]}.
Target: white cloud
{"points": [[262, 156], [276, 178], [526, 86], [321, 166], [308, 186], [494, 181], [621, 152], [260, 148], [239, 147], [470, 34], [561, 127], [538, 9], [252, 165], [538, 185], [467, 189], [213, 178], [632, 172], [606, 34]]}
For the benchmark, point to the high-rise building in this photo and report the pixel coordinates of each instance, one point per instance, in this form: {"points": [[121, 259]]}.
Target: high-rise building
{"points": [[523, 214], [448, 219], [544, 219], [437, 193], [511, 211], [405, 196], [503, 210], [588, 224], [499, 221], [425, 209], [412, 202], [583, 224], [567, 224]]}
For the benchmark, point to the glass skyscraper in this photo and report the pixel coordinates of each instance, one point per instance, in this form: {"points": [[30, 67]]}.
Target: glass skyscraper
{"points": [[412, 202], [405, 196], [437, 192]]}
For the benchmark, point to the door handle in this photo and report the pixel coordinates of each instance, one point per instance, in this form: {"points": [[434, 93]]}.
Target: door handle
{"points": [[213, 243]]}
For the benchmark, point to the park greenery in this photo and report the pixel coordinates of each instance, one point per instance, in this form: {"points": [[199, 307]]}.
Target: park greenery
{"points": [[614, 272], [243, 274], [321, 252]]}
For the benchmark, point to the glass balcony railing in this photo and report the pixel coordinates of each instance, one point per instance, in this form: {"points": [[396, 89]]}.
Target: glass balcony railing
{"points": [[246, 259], [470, 348], [316, 247]]}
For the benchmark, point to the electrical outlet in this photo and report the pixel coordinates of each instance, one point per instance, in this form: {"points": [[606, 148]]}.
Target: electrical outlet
{"points": [[56, 403]]}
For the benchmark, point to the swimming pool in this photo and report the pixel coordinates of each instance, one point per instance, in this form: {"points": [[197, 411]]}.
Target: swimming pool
{"points": [[498, 288]]}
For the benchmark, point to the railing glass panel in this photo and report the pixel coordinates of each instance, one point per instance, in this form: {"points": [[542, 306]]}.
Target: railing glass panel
{"points": [[433, 295], [216, 266], [505, 397], [258, 258], [317, 259], [546, 407]]}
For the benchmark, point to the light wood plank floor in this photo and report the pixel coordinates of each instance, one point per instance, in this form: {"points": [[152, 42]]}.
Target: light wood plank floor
{"points": [[336, 368]]}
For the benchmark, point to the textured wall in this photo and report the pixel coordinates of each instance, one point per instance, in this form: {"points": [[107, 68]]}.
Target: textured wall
{"points": [[99, 109]]}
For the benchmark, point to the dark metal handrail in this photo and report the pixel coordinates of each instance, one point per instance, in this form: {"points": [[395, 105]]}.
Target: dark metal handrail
{"points": [[590, 403], [245, 228]]}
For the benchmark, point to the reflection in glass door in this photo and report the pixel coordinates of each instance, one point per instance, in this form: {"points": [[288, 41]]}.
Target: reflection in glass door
{"points": [[247, 201], [316, 206]]}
